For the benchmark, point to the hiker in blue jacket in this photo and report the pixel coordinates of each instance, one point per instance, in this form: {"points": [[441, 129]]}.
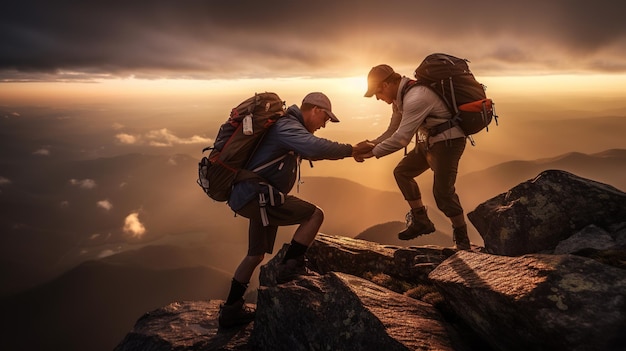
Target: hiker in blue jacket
{"points": [[267, 204]]}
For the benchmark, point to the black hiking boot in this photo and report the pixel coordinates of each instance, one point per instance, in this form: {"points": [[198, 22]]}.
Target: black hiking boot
{"points": [[461, 240], [417, 223], [292, 269], [236, 314]]}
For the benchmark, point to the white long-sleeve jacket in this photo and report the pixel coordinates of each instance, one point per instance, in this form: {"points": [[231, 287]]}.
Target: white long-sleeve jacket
{"points": [[409, 117]]}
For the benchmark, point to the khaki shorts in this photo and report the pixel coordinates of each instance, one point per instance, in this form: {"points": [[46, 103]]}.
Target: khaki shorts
{"points": [[261, 239]]}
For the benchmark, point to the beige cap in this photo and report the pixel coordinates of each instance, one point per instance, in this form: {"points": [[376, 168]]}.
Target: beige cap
{"points": [[377, 75], [322, 101]]}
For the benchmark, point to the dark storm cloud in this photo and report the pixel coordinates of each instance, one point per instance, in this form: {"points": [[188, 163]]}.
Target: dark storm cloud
{"points": [[228, 39]]}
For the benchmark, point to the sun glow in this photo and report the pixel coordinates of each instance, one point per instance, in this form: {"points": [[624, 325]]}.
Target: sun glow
{"points": [[598, 84], [613, 85]]}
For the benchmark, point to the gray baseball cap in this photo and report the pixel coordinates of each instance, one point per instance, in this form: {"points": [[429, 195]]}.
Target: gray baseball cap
{"points": [[322, 101], [377, 75]]}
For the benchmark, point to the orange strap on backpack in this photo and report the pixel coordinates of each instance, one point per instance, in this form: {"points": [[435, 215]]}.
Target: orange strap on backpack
{"points": [[477, 106]]}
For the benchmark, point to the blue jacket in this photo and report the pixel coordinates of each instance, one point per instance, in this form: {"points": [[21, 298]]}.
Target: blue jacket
{"points": [[287, 138]]}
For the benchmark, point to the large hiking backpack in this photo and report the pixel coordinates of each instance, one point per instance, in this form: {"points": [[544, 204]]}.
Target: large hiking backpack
{"points": [[235, 144], [451, 79]]}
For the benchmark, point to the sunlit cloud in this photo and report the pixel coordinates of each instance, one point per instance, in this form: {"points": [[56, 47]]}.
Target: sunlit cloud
{"points": [[133, 226], [105, 204], [12, 114], [4, 181], [100, 236], [117, 126], [83, 183], [164, 137], [126, 138], [42, 152], [106, 253], [160, 138]]}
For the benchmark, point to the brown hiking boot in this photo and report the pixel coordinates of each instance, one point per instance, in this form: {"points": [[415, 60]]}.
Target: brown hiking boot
{"points": [[417, 223], [461, 240], [236, 314], [292, 269]]}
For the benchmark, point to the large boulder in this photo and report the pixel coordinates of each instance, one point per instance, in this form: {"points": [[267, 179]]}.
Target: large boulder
{"points": [[185, 326], [534, 216], [591, 237], [339, 311], [364, 258], [537, 302]]}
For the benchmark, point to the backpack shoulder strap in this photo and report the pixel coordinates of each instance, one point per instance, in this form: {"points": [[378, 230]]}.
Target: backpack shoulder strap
{"points": [[442, 126], [410, 84], [413, 83]]}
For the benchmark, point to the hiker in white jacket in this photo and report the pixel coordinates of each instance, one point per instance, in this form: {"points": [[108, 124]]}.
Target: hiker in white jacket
{"points": [[416, 110]]}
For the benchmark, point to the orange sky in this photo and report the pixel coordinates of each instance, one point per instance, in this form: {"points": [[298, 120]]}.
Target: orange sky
{"points": [[131, 89]]}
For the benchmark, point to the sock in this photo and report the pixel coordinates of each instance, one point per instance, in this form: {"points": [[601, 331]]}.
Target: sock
{"points": [[295, 250], [237, 290], [418, 209]]}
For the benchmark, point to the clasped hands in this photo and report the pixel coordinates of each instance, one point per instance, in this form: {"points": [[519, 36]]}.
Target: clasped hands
{"points": [[362, 150]]}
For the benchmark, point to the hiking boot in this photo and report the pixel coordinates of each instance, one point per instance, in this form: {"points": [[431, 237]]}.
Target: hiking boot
{"points": [[292, 269], [461, 240], [417, 223], [236, 314]]}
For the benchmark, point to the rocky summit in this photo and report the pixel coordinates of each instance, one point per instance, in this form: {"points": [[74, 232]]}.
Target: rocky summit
{"points": [[552, 276], [535, 216]]}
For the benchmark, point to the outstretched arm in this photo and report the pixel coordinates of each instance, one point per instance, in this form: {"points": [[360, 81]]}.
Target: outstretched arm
{"points": [[295, 137]]}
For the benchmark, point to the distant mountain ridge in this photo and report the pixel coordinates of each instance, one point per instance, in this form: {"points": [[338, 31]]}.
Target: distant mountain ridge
{"points": [[94, 304], [608, 167]]}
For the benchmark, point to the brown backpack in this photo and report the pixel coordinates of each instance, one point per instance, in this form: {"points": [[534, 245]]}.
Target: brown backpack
{"points": [[451, 79], [236, 142]]}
